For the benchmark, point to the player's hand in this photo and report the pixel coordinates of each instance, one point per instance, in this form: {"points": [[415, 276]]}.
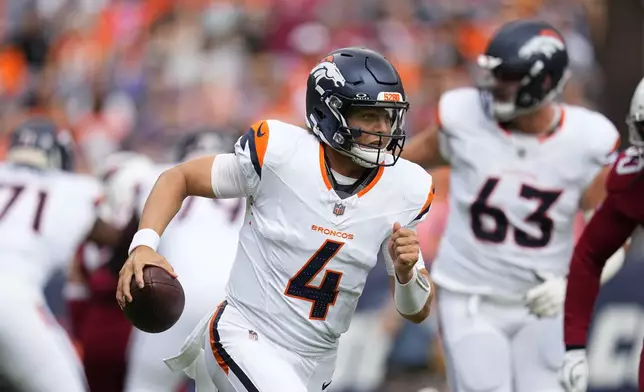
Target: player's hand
{"points": [[404, 250], [547, 299], [133, 267], [573, 374]]}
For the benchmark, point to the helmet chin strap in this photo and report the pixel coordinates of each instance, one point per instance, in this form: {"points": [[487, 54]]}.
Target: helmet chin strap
{"points": [[358, 160]]}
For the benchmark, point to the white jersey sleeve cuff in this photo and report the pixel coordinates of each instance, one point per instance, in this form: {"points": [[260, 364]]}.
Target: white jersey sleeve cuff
{"points": [[227, 178]]}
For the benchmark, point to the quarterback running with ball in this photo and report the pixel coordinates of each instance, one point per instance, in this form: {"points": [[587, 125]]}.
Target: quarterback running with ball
{"points": [[322, 203]]}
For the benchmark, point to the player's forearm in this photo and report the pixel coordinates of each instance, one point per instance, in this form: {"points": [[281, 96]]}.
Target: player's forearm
{"points": [[423, 314], [164, 201], [191, 178], [583, 286], [596, 192], [408, 296], [423, 149]]}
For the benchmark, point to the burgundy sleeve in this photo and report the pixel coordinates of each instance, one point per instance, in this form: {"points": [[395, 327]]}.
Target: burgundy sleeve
{"points": [[606, 232]]}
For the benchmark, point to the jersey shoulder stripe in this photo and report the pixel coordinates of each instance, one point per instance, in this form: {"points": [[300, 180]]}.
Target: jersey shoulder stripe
{"points": [[257, 139], [428, 202]]}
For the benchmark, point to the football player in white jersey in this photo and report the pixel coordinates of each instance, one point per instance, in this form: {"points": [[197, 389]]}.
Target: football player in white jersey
{"points": [[522, 166], [322, 203], [201, 241], [45, 213]]}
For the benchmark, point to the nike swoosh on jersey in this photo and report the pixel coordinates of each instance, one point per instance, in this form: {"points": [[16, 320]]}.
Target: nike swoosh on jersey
{"points": [[326, 385], [259, 131]]}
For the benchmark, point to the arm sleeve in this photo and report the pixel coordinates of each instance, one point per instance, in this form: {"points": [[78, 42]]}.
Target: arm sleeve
{"points": [[606, 232], [227, 177], [389, 262]]}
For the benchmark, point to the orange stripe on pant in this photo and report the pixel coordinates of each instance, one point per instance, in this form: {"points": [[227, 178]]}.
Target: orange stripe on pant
{"points": [[220, 361]]}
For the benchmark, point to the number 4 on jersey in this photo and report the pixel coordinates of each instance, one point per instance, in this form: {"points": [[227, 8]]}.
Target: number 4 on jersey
{"points": [[324, 295], [539, 217]]}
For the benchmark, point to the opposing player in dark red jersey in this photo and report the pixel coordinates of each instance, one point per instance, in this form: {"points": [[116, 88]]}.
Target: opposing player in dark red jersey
{"points": [[613, 223]]}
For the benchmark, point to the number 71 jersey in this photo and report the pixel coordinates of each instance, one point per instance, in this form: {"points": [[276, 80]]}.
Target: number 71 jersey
{"points": [[513, 197], [304, 253], [44, 216]]}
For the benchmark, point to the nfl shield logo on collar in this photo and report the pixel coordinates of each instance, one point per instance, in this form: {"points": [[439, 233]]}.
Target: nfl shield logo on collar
{"points": [[338, 209]]}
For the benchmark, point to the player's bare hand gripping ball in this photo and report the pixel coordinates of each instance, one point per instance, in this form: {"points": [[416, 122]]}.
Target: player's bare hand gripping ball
{"points": [[133, 267], [404, 250]]}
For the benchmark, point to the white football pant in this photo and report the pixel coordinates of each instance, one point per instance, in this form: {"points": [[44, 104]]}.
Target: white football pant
{"points": [[36, 354], [498, 347], [228, 351]]}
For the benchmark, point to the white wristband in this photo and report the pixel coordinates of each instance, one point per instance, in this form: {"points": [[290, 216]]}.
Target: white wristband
{"points": [[145, 237], [411, 297]]}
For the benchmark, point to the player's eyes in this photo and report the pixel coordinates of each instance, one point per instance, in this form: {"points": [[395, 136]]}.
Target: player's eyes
{"points": [[377, 117]]}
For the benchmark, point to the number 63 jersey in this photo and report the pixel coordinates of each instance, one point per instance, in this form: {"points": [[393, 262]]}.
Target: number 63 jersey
{"points": [[513, 197], [304, 253]]}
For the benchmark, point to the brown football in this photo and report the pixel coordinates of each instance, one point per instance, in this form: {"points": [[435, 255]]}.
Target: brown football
{"points": [[158, 305]]}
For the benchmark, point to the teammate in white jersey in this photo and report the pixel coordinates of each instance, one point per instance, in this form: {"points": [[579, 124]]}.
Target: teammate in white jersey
{"points": [[323, 202], [201, 243], [522, 166], [45, 213]]}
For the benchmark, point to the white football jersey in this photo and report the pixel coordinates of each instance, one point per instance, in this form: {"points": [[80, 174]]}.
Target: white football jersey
{"points": [[44, 216], [304, 253], [201, 241], [513, 197]]}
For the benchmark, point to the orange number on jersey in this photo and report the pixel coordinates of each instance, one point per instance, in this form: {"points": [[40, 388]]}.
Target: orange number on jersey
{"points": [[324, 295]]}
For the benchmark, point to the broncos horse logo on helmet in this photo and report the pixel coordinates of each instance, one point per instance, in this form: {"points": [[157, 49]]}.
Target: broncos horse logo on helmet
{"points": [[541, 44], [329, 71]]}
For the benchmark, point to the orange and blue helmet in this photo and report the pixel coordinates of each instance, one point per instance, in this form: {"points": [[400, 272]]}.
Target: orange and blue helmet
{"points": [[525, 66]]}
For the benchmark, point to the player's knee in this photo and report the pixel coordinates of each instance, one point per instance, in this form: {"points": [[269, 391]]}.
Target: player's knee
{"points": [[481, 362]]}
